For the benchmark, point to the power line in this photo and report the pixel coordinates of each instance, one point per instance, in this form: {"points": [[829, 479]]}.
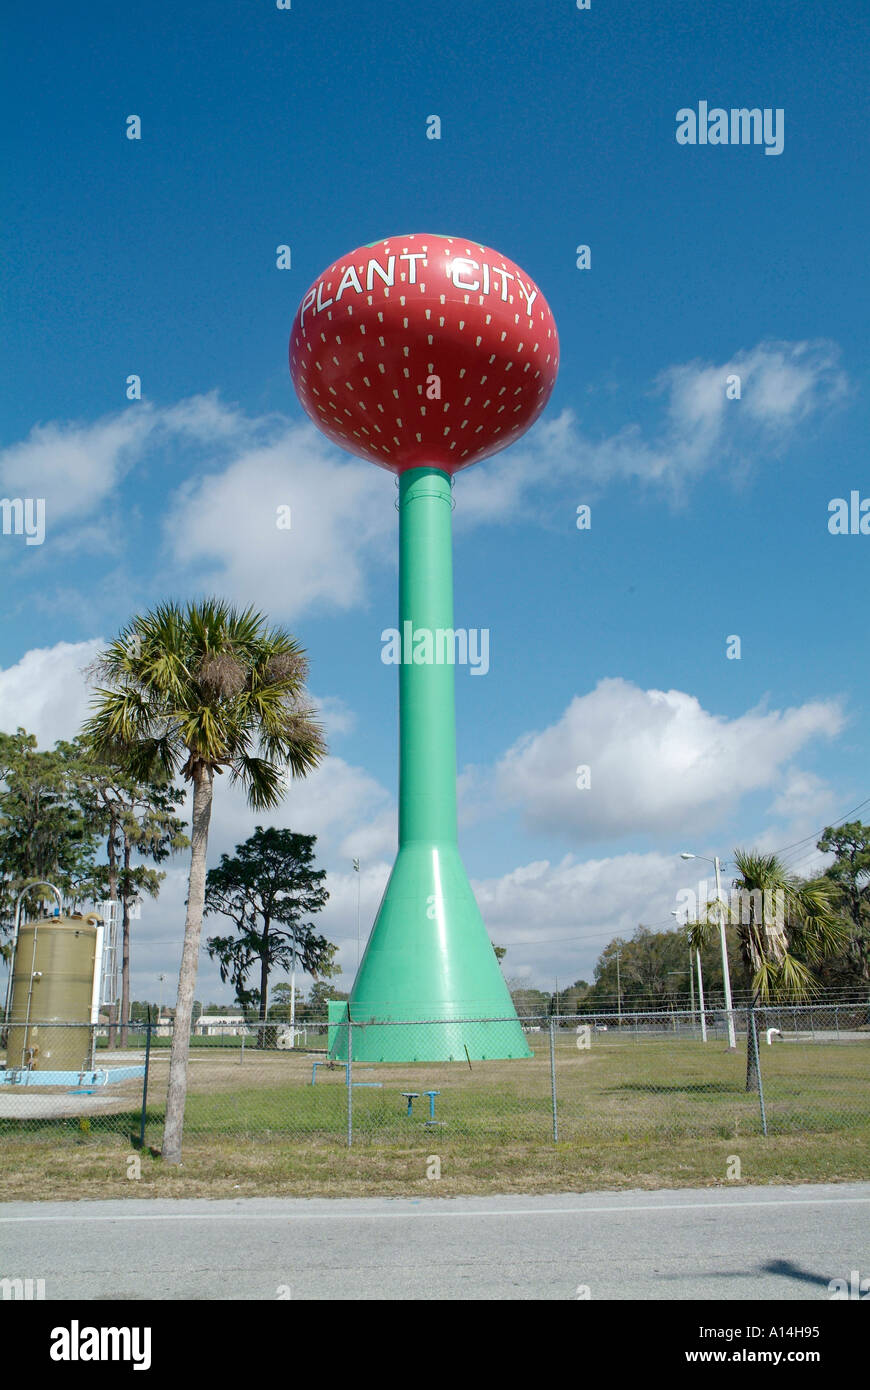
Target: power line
{"points": [[841, 821]]}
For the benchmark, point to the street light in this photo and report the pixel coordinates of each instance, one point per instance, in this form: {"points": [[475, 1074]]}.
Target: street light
{"points": [[161, 978], [726, 974], [358, 882]]}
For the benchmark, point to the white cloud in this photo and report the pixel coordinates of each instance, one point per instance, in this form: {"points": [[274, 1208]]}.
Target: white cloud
{"points": [[75, 467], [555, 919], [206, 418], [220, 525], [336, 717], [46, 692], [224, 525], [802, 799], [781, 385], [341, 804], [659, 761]]}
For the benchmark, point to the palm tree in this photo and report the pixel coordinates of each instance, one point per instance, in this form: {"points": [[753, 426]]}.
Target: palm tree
{"points": [[194, 690], [784, 925]]}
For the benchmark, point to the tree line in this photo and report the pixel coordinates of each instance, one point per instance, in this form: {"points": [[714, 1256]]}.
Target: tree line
{"points": [[821, 943]]}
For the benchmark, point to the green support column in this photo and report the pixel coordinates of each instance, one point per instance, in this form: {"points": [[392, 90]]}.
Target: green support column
{"points": [[429, 955]]}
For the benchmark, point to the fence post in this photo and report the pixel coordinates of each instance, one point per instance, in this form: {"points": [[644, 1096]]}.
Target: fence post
{"points": [[553, 1079], [349, 1080], [242, 1053], [145, 1081], [837, 1021], [753, 1042]]}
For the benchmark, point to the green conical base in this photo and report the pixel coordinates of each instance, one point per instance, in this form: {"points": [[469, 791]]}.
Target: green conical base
{"points": [[430, 958]]}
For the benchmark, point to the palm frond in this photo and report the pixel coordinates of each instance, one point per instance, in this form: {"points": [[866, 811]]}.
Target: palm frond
{"points": [[262, 780]]}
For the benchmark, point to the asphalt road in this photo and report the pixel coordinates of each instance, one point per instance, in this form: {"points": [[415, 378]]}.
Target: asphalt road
{"points": [[747, 1243]]}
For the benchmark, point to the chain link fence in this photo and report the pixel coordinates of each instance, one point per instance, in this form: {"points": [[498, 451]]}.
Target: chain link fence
{"points": [[626, 1077]]}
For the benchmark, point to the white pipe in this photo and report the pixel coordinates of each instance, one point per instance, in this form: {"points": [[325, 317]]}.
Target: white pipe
{"points": [[98, 967], [34, 883]]}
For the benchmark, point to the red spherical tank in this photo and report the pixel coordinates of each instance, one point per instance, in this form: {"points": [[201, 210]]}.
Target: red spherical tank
{"points": [[424, 350]]}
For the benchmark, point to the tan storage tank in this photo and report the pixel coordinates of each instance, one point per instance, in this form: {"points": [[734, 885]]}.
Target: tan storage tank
{"points": [[52, 983]]}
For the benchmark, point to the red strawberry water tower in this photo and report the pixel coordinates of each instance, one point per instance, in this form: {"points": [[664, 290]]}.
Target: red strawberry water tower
{"points": [[425, 354]]}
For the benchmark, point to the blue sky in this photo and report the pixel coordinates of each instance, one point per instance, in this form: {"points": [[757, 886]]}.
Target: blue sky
{"points": [[709, 517]]}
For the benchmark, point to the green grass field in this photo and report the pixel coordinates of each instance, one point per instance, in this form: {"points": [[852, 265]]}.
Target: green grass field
{"points": [[650, 1114]]}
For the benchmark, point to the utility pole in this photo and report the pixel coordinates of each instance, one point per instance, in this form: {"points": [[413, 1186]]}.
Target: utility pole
{"points": [[726, 975], [701, 999], [618, 992]]}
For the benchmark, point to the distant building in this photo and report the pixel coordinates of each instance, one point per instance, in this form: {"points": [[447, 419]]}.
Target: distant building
{"points": [[212, 1025]]}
